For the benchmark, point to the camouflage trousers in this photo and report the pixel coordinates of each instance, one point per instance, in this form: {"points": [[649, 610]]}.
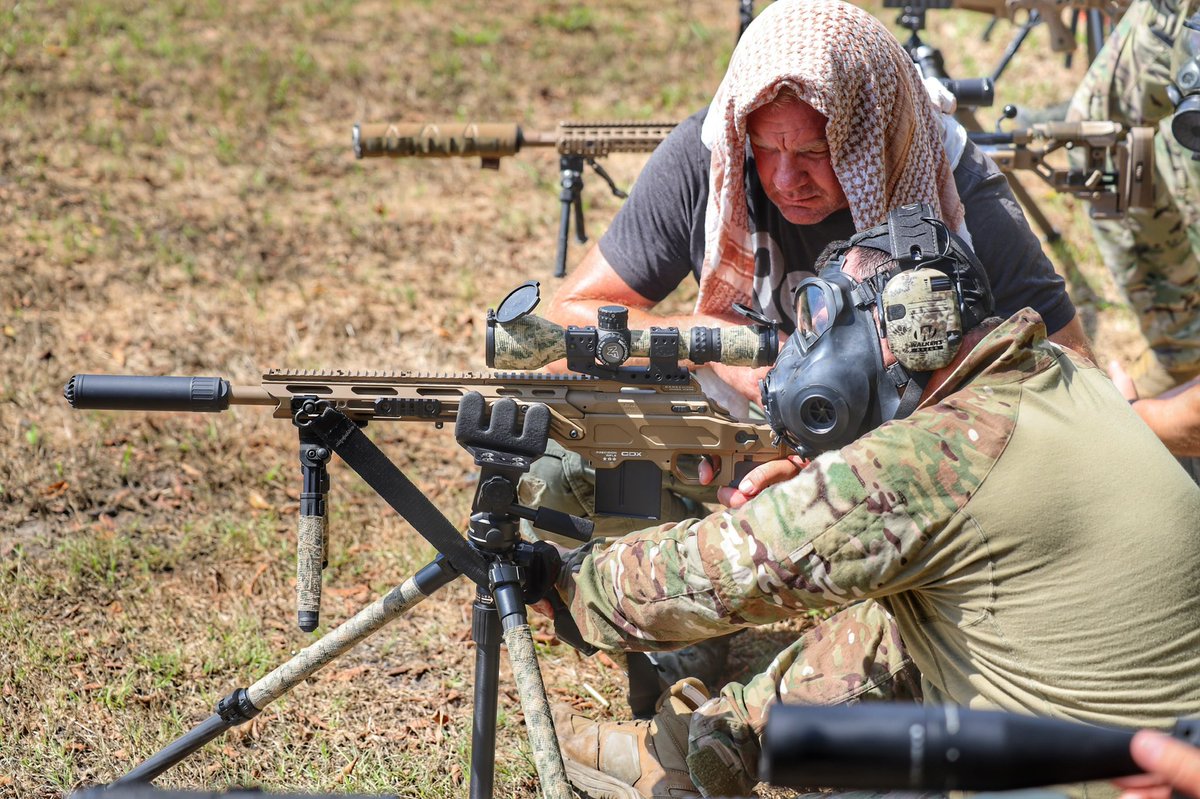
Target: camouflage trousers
{"points": [[854, 655], [1151, 253]]}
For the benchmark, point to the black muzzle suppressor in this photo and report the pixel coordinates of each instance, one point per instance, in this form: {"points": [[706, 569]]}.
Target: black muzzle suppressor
{"points": [[136, 393], [884, 746]]}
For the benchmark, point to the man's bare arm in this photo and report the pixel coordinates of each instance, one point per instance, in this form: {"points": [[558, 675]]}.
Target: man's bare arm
{"points": [[1072, 336], [594, 283]]}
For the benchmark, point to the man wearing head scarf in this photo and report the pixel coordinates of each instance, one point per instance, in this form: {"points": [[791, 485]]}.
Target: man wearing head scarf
{"points": [[821, 125]]}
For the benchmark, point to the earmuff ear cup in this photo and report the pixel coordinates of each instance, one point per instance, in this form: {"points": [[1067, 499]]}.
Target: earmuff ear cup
{"points": [[921, 319]]}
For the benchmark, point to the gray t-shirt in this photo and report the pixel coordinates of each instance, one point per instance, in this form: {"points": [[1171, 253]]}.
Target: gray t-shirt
{"points": [[657, 238]]}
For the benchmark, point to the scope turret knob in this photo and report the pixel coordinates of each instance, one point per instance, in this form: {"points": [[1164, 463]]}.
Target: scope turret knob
{"points": [[613, 317], [612, 351], [612, 339]]}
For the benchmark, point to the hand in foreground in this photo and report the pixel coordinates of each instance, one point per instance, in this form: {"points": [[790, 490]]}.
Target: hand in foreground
{"points": [[1169, 764], [755, 481]]}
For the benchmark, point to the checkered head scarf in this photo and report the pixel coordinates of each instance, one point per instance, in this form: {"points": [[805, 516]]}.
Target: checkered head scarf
{"points": [[884, 131]]}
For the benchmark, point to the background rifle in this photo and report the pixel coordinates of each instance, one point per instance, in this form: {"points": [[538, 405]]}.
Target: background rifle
{"points": [[1056, 14], [1115, 171], [577, 143]]}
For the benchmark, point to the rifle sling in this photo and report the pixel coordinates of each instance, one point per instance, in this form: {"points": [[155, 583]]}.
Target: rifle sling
{"points": [[351, 444]]}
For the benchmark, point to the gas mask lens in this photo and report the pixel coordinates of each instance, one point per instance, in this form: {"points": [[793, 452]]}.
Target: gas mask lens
{"points": [[816, 307]]}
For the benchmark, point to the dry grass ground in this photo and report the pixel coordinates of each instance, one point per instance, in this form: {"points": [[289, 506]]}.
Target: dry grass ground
{"points": [[178, 196]]}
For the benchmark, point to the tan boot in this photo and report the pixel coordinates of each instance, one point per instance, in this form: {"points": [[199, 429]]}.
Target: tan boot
{"points": [[632, 759]]}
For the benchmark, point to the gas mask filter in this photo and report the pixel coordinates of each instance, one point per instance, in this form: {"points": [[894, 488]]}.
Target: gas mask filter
{"points": [[829, 385]]}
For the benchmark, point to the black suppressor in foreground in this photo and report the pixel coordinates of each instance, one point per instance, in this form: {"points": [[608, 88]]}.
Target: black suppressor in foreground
{"points": [[883, 746]]}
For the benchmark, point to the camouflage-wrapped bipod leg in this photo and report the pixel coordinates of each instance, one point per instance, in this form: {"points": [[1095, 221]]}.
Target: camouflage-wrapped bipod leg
{"points": [[354, 630], [311, 538], [854, 655], [547, 757]]}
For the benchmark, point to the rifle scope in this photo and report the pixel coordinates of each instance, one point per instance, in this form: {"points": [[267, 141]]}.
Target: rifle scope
{"points": [[888, 746], [531, 342]]}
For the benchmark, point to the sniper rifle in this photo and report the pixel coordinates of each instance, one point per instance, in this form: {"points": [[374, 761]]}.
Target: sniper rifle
{"points": [[1115, 173], [630, 421], [577, 143]]}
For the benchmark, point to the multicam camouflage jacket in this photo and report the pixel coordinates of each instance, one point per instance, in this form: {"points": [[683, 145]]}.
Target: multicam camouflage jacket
{"points": [[1036, 543]]}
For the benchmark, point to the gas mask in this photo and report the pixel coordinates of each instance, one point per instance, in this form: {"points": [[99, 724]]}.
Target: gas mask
{"points": [[1185, 91], [829, 384]]}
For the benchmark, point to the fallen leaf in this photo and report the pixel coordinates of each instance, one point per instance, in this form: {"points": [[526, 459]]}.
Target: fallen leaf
{"points": [[347, 674], [414, 669], [56, 489], [257, 502]]}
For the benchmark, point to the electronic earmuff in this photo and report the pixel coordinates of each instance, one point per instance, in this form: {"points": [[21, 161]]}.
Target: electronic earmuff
{"points": [[936, 291]]}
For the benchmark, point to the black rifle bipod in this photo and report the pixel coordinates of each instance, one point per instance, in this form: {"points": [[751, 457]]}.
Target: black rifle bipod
{"points": [[570, 197], [570, 170]]}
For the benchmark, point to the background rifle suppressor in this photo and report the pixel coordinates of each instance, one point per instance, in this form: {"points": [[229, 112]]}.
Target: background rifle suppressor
{"points": [[491, 141]]}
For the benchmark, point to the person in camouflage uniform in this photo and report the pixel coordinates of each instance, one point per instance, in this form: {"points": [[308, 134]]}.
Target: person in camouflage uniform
{"points": [[1154, 253], [1021, 541]]}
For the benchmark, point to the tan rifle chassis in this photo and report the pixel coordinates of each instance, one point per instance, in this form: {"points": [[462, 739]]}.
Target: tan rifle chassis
{"points": [[1115, 168], [608, 423], [491, 141]]}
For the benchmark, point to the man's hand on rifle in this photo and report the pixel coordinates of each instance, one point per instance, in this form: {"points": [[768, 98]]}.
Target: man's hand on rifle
{"points": [[755, 481]]}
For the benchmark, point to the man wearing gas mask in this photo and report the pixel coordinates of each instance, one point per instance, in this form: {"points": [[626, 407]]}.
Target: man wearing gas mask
{"points": [[1148, 73], [962, 504], [821, 125]]}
